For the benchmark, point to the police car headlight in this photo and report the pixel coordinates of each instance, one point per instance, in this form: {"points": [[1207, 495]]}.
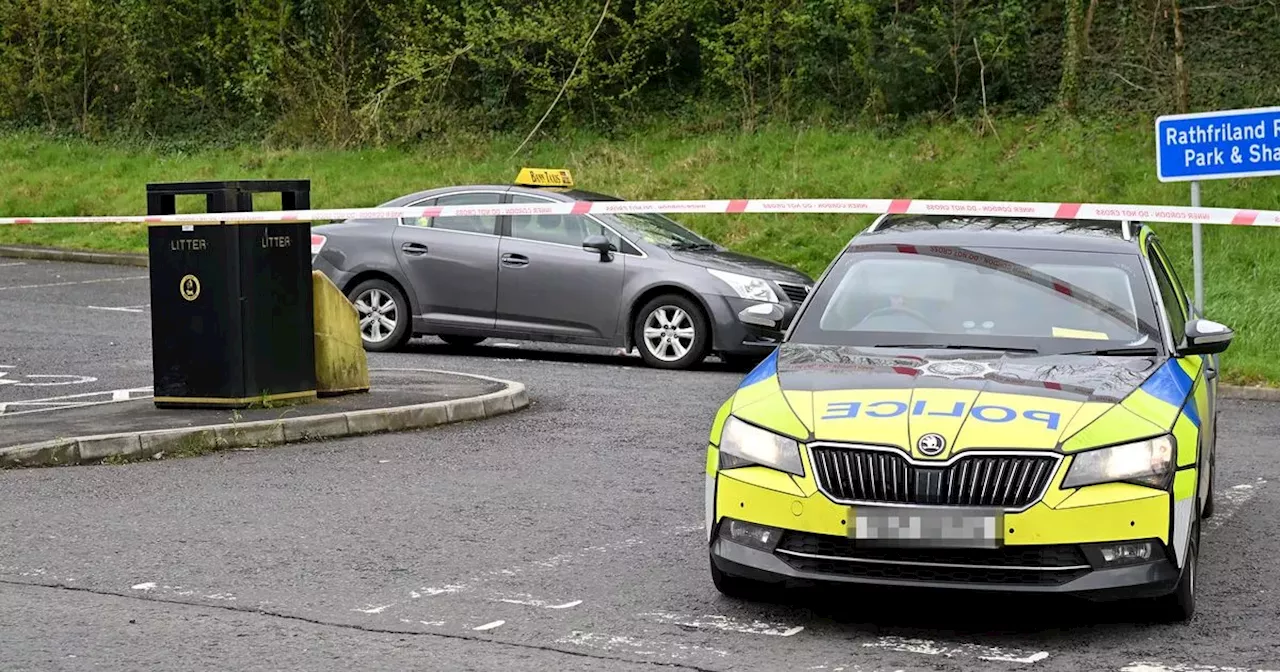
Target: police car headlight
{"points": [[742, 445], [1147, 462], [746, 286]]}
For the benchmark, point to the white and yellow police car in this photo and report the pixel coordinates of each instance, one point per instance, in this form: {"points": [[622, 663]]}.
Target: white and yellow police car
{"points": [[990, 404]]}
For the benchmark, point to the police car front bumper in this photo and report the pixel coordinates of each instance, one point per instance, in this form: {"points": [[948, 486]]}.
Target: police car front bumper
{"points": [[918, 570], [1103, 542]]}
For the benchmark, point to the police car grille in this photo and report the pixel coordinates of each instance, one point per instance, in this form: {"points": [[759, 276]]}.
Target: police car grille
{"points": [[796, 293], [1006, 481]]}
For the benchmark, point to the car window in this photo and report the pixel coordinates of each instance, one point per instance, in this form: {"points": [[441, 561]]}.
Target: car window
{"points": [[1183, 299], [1017, 298], [1174, 304], [483, 224], [657, 229], [562, 229]]}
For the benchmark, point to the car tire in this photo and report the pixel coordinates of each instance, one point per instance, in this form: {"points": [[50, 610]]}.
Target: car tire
{"points": [[386, 298], [462, 341], [677, 329], [1179, 606], [739, 588]]}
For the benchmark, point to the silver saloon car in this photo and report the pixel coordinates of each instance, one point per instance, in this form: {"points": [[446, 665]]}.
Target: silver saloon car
{"points": [[638, 281]]}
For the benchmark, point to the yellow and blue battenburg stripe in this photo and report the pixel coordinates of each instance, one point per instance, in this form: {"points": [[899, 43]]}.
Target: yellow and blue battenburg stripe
{"points": [[763, 371]]}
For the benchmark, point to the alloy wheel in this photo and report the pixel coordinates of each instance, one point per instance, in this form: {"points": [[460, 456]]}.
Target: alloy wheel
{"points": [[379, 315], [669, 333]]}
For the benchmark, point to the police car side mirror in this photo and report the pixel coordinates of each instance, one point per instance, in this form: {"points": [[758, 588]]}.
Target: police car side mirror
{"points": [[599, 244], [1206, 337]]}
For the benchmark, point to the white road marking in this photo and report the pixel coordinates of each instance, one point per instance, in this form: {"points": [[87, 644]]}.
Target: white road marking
{"points": [[436, 623], [76, 282], [61, 379], [373, 610], [1230, 501], [725, 623], [1161, 667], [121, 309], [928, 647], [637, 646], [13, 263], [47, 404], [442, 590], [530, 602], [488, 626], [144, 586]]}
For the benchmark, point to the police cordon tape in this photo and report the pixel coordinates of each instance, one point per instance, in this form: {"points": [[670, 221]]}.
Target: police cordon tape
{"points": [[867, 206]]}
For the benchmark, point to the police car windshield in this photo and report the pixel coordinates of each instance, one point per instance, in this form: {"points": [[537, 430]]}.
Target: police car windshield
{"points": [[659, 230], [1044, 301]]}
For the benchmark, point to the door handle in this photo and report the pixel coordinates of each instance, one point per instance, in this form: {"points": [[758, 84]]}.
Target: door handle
{"points": [[414, 249], [509, 259]]}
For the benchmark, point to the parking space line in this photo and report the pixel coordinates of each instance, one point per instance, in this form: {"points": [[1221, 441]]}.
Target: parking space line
{"points": [[1162, 667], [726, 624], [122, 309], [76, 282]]}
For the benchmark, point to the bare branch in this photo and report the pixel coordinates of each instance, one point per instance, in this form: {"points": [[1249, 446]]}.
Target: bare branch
{"points": [[604, 12]]}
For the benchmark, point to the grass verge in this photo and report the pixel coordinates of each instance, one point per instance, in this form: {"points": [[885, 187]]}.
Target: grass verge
{"points": [[1039, 159]]}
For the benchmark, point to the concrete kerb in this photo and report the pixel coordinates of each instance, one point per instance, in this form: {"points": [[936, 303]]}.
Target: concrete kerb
{"points": [[1249, 393], [82, 256], [156, 444]]}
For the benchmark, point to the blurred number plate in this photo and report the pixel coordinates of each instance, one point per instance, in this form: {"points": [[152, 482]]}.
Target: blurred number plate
{"points": [[956, 528]]}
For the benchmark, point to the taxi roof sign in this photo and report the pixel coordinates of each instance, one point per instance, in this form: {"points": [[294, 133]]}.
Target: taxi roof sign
{"points": [[544, 177]]}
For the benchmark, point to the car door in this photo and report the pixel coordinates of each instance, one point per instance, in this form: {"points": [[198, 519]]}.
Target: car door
{"points": [[452, 262], [549, 285], [1179, 311]]}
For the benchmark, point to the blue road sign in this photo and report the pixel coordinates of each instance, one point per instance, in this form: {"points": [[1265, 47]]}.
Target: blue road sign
{"points": [[1218, 145]]}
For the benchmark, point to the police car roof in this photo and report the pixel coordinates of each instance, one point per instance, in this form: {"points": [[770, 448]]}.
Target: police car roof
{"points": [[1052, 234]]}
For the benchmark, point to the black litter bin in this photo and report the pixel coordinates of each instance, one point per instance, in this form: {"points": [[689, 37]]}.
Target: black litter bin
{"points": [[232, 318]]}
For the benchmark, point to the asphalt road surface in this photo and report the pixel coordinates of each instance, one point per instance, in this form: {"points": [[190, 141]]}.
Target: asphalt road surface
{"points": [[564, 537]]}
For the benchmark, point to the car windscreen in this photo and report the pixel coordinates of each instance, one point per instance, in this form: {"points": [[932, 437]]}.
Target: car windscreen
{"points": [[658, 230], [1043, 300]]}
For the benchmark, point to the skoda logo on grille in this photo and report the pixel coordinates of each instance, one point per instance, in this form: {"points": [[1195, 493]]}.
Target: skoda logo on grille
{"points": [[931, 444]]}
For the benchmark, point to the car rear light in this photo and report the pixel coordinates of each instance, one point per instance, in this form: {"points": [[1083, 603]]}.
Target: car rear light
{"points": [[317, 244]]}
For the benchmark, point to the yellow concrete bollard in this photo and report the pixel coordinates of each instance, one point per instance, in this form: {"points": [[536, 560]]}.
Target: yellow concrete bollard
{"points": [[341, 364]]}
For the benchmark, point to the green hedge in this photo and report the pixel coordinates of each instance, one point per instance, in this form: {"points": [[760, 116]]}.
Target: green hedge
{"points": [[339, 72]]}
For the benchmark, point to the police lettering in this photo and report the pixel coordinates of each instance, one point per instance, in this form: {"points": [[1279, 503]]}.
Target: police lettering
{"points": [[843, 410]]}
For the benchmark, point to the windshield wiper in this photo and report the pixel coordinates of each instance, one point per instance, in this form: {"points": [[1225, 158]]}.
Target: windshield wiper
{"points": [[686, 245], [1117, 352], [955, 347]]}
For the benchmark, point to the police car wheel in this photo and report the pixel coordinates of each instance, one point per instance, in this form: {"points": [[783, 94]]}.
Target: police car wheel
{"points": [[383, 313], [462, 341], [671, 332], [1180, 605]]}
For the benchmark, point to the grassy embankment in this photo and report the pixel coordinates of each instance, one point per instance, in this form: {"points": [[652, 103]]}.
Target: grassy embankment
{"points": [[1030, 160]]}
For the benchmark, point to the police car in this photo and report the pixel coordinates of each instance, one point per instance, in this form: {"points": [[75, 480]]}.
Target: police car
{"points": [[987, 404]]}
